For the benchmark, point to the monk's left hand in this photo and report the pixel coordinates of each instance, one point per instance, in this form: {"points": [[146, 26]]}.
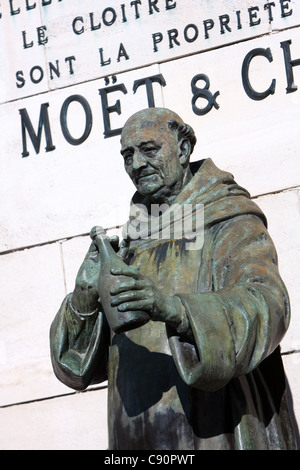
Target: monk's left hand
{"points": [[137, 292]]}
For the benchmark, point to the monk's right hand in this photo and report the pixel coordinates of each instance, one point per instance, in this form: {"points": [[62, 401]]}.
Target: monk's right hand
{"points": [[85, 296]]}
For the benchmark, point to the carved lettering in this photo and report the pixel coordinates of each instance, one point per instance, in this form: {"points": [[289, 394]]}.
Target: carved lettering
{"points": [[107, 110], [255, 95], [203, 93], [36, 136], [148, 81], [289, 64], [88, 119]]}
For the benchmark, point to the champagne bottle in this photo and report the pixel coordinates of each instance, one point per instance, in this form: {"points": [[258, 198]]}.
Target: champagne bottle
{"points": [[118, 321]]}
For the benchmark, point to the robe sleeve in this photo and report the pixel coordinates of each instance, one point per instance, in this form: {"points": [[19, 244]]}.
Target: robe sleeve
{"points": [[79, 347], [243, 318]]}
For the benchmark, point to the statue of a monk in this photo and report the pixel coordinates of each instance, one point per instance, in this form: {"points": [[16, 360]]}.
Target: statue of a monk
{"points": [[205, 372]]}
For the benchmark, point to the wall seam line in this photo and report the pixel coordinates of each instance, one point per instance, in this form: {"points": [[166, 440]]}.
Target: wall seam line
{"points": [[37, 400]]}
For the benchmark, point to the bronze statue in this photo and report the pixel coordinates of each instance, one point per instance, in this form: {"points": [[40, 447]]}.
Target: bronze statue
{"points": [[198, 364]]}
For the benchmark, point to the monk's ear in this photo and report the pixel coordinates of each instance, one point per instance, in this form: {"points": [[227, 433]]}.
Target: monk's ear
{"points": [[185, 149]]}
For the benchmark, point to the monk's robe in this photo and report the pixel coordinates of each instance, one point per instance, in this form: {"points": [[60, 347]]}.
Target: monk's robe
{"points": [[217, 382]]}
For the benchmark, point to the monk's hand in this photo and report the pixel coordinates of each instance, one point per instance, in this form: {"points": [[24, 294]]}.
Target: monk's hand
{"points": [[137, 292], [85, 295]]}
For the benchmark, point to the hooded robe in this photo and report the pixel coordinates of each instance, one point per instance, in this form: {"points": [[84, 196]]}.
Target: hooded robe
{"points": [[217, 382]]}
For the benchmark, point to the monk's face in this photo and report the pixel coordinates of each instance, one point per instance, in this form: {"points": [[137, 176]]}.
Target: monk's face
{"points": [[151, 158]]}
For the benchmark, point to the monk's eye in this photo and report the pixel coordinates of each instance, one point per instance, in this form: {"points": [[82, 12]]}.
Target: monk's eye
{"points": [[151, 150], [128, 158], [128, 161]]}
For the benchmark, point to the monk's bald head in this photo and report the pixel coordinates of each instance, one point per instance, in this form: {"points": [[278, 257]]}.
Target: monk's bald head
{"points": [[149, 120], [160, 120]]}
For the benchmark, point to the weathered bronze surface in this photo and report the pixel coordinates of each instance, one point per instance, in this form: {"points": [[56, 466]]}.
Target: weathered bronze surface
{"points": [[205, 371]]}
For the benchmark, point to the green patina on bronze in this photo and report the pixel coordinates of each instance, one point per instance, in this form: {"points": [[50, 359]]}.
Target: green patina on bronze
{"points": [[205, 371]]}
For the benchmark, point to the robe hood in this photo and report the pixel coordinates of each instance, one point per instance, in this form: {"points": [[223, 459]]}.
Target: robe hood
{"points": [[211, 187]]}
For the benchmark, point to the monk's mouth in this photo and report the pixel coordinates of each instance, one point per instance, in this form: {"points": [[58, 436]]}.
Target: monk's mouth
{"points": [[146, 177]]}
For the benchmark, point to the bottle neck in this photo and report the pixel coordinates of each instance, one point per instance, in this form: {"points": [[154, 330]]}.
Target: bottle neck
{"points": [[103, 245]]}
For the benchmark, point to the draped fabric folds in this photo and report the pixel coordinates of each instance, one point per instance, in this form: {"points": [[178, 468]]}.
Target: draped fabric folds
{"points": [[219, 385]]}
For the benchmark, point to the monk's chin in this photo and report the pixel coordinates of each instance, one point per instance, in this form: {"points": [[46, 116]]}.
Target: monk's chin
{"points": [[147, 188]]}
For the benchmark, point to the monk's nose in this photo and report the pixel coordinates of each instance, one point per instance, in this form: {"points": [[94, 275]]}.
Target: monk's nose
{"points": [[138, 161]]}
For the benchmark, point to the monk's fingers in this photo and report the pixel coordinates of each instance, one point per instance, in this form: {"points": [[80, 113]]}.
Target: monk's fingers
{"points": [[114, 239], [128, 296], [115, 242], [130, 271], [93, 252], [92, 249], [128, 284], [141, 304]]}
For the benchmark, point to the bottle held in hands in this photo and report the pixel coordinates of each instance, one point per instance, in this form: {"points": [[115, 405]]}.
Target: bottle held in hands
{"points": [[118, 321]]}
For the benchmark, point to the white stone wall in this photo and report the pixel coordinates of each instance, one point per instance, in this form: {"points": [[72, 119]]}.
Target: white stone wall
{"points": [[49, 200]]}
